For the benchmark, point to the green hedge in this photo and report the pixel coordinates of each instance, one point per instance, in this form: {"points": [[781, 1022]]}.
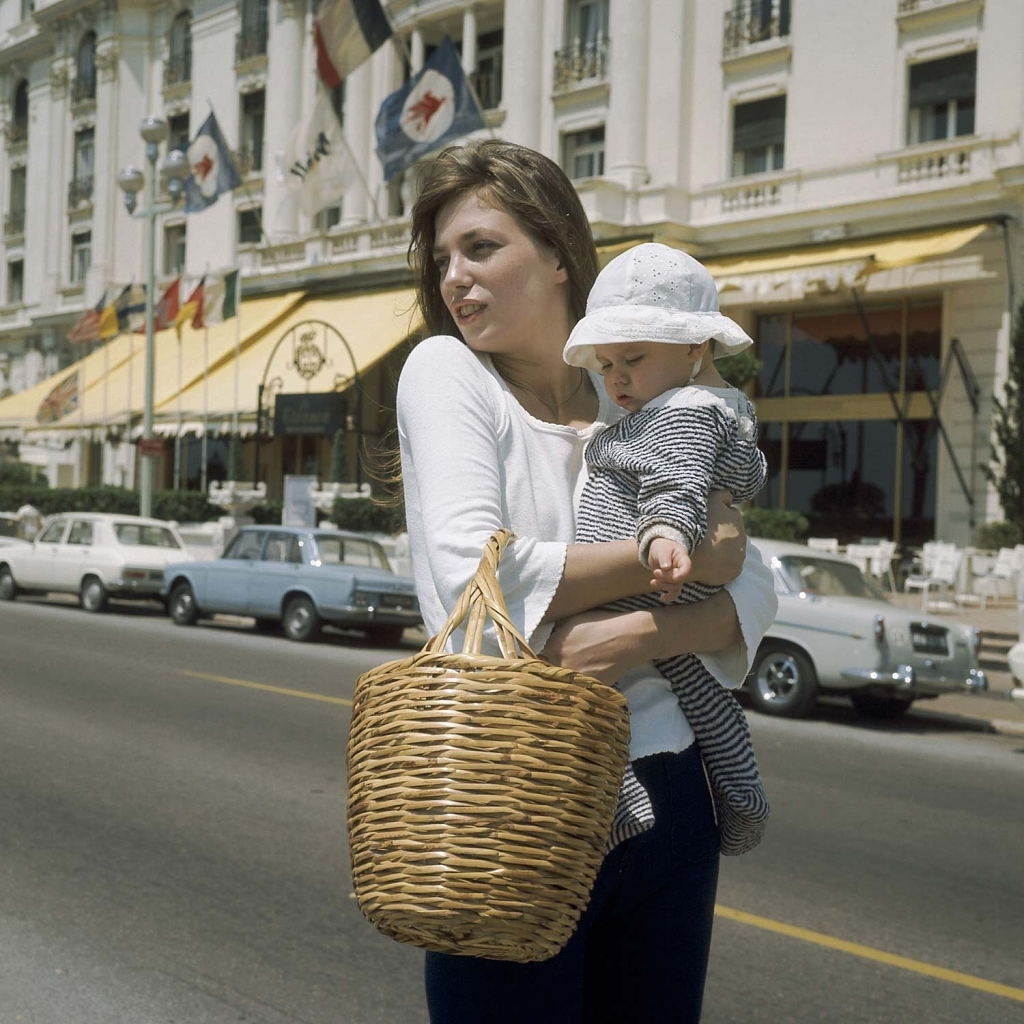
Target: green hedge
{"points": [[774, 523], [367, 515], [993, 536]]}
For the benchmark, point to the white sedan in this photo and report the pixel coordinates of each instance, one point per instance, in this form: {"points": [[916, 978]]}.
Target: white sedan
{"points": [[836, 633], [93, 555]]}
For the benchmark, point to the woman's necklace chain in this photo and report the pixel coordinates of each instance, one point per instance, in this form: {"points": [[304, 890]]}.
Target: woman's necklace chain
{"points": [[553, 406]]}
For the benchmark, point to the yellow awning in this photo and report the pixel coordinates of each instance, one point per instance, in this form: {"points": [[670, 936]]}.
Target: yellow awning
{"points": [[883, 253], [111, 379], [371, 324]]}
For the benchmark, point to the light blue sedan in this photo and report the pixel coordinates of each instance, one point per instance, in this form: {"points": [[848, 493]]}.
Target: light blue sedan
{"points": [[298, 578]]}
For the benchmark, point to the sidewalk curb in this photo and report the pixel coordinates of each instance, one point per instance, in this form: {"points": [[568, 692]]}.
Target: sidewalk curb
{"points": [[1001, 726]]}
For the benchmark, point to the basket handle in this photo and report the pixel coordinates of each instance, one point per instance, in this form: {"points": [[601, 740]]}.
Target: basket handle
{"points": [[481, 599]]}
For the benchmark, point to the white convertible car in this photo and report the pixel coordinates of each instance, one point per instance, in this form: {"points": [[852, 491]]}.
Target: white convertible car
{"points": [[94, 555], [836, 633]]}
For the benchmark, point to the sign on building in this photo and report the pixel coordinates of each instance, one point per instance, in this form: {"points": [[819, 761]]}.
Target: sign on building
{"points": [[322, 413]]}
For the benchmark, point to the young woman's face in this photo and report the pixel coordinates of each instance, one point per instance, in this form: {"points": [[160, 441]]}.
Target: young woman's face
{"points": [[504, 290], [637, 372]]}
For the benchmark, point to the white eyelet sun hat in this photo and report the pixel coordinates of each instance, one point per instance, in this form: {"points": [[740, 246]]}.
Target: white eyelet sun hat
{"points": [[653, 292]]}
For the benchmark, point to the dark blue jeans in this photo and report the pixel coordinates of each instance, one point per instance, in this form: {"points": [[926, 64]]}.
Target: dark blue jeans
{"points": [[640, 952]]}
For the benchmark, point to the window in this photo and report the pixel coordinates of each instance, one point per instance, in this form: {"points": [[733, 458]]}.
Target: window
{"points": [[252, 40], [178, 132], [19, 120], [80, 532], [487, 80], [27, 7], [282, 548], [587, 23], [758, 136], [338, 101], [249, 230], [585, 54], [246, 545], [250, 155], [941, 98], [329, 218], [174, 249], [179, 58], [84, 154], [81, 256], [15, 222], [584, 153], [347, 551], [85, 69], [141, 535], [53, 533], [15, 281]]}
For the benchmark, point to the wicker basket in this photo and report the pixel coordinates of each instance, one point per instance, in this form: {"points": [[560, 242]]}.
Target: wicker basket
{"points": [[481, 789]]}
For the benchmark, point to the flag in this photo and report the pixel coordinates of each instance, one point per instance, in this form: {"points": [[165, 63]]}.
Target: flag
{"points": [[345, 33], [431, 109], [220, 299], [61, 400], [88, 326], [213, 169], [131, 314], [193, 305], [317, 160], [166, 309], [110, 318]]}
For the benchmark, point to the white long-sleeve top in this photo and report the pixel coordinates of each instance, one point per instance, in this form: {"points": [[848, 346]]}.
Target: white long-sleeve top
{"points": [[473, 461]]}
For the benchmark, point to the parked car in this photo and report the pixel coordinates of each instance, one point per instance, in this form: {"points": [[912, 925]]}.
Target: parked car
{"points": [[10, 531], [94, 555], [298, 578], [836, 633]]}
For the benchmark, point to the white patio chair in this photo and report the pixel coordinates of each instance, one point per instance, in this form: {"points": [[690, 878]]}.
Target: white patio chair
{"points": [[860, 555], [945, 570], [1001, 577], [880, 565], [829, 544]]}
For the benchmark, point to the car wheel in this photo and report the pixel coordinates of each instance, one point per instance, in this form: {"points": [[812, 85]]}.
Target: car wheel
{"points": [[93, 595], [880, 708], [782, 682], [386, 636], [183, 608], [8, 588], [301, 621]]}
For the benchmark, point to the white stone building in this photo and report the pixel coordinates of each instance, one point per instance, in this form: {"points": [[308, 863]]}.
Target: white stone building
{"points": [[822, 157]]}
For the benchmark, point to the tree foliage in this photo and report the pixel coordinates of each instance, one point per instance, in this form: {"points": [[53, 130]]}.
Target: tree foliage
{"points": [[1006, 469]]}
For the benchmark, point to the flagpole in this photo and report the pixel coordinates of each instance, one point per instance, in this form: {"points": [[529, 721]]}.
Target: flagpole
{"points": [[106, 374], [177, 439], [238, 351], [361, 177], [206, 408], [130, 458], [81, 421]]}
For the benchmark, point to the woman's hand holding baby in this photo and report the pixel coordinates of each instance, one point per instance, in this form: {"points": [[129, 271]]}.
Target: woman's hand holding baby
{"points": [[718, 558]]}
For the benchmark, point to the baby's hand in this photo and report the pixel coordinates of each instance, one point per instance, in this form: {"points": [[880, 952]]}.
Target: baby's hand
{"points": [[671, 564]]}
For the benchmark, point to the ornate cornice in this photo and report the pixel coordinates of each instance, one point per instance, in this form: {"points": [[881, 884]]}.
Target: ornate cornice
{"points": [[60, 79], [107, 61]]}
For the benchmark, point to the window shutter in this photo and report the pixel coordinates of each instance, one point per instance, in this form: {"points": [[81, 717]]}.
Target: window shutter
{"points": [[939, 81], [759, 124]]}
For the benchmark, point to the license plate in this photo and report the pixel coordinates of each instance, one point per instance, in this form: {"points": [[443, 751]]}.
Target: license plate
{"points": [[930, 643], [397, 601]]}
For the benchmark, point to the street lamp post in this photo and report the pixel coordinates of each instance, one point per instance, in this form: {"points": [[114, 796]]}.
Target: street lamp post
{"points": [[174, 169]]}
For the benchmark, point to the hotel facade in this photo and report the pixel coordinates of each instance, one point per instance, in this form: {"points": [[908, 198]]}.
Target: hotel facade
{"points": [[852, 175]]}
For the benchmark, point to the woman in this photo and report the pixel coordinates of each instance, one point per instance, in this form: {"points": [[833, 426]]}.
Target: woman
{"points": [[492, 427]]}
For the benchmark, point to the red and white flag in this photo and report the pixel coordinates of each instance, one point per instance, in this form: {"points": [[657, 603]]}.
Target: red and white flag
{"points": [[346, 33]]}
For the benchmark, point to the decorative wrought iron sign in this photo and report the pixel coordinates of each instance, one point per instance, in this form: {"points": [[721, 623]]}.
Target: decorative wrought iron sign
{"points": [[322, 413]]}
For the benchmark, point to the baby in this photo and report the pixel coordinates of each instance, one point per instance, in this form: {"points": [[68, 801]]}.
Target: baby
{"points": [[653, 330]]}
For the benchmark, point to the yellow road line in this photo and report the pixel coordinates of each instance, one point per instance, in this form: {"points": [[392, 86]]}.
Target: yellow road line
{"points": [[269, 689], [868, 953]]}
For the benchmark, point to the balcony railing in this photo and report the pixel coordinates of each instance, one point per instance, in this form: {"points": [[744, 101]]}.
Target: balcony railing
{"points": [[581, 61], [249, 43], [248, 159], [14, 223], [83, 89], [79, 191], [178, 70], [488, 88], [16, 132], [913, 6], [754, 21]]}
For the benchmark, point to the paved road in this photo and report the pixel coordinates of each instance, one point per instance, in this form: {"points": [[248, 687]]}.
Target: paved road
{"points": [[172, 847]]}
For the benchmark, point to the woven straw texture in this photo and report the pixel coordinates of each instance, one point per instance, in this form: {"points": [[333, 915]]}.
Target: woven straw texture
{"points": [[481, 789]]}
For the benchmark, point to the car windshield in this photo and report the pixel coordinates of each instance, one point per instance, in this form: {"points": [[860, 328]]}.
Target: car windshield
{"points": [[351, 551], [139, 535], [827, 577], [8, 527]]}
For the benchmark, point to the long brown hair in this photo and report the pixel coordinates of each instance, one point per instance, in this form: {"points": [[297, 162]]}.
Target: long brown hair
{"points": [[522, 182]]}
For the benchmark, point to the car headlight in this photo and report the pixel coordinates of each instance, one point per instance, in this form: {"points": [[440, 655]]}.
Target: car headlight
{"points": [[361, 599]]}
